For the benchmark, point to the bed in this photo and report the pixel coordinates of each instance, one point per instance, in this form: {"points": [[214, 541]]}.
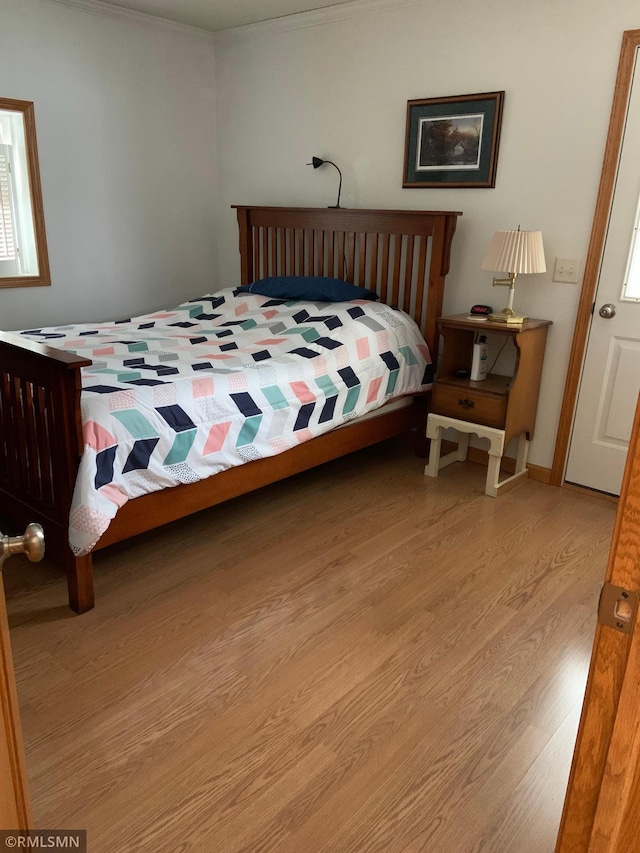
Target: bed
{"points": [[403, 256]]}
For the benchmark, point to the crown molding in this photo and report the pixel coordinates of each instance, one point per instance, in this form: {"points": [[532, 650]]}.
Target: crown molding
{"points": [[301, 20], [286, 23], [129, 16]]}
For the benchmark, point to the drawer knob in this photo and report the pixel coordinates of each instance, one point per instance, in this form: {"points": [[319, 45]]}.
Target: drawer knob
{"points": [[466, 404]]}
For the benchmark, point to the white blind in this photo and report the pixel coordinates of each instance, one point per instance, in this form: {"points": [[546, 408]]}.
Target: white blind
{"points": [[7, 239]]}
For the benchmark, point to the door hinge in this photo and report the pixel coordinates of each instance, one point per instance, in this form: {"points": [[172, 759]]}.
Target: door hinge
{"points": [[617, 608]]}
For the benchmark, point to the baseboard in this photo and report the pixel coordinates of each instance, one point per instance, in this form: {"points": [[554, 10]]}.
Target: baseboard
{"points": [[538, 473], [476, 454]]}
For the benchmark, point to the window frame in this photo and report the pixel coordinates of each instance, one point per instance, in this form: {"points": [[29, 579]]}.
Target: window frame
{"points": [[43, 277]]}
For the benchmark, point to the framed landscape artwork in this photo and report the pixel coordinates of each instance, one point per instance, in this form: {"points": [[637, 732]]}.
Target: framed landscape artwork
{"points": [[453, 142]]}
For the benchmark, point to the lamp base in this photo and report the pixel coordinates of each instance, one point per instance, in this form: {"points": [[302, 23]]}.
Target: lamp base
{"points": [[508, 315]]}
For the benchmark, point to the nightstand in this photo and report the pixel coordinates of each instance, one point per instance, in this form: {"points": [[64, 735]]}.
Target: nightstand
{"points": [[498, 408]]}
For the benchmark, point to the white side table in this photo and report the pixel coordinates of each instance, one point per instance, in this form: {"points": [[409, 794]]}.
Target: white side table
{"points": [[435, 425]]}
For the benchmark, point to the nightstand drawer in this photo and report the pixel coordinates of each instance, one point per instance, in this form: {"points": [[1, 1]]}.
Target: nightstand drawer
{"points": [[467, 404]]}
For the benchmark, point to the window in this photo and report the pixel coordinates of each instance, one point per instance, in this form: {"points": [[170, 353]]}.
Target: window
{"points": [[23, 246], [7, 206], [631, 289]]}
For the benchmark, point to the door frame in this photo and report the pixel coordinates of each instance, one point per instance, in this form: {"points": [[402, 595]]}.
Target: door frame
{"points": [[630, 44]]}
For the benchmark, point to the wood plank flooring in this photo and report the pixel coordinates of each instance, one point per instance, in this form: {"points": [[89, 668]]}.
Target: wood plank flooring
{"points": [[359, 659]]}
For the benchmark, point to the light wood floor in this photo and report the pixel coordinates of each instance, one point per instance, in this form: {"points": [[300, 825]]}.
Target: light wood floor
{"points": [[360, 659]]}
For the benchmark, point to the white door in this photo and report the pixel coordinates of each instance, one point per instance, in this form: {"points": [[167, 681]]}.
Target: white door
{"points": [[611, 372]]}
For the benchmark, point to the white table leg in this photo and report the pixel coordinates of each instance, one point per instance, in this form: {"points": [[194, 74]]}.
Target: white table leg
{"points": [[493, 476], [463, 446], [523, 453], [434, 432], [496, 449], [436, 463], [493, 485]]}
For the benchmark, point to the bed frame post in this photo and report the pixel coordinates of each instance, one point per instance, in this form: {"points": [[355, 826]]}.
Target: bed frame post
{"points": [[443, 231], [245, 235], [80, 582], [40, 447]]}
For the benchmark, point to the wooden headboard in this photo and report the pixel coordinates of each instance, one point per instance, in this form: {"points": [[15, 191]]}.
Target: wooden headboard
{"points": [[401, 254]]}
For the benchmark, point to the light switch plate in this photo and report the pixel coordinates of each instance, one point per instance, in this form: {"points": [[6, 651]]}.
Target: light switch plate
{"points": [[566, 269]]}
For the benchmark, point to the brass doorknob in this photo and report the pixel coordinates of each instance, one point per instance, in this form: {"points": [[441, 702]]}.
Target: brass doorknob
{"points": [[31, 544]]}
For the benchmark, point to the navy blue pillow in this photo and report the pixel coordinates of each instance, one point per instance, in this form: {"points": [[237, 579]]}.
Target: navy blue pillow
{"points": [[311, 288]]}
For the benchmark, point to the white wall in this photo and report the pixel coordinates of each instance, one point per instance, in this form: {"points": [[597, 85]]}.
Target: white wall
{"points": [[339, 90], [137, 206], [125, 117]]}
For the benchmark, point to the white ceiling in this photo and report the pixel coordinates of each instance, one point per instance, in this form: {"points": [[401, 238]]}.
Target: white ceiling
{"points": [[216, 15]]}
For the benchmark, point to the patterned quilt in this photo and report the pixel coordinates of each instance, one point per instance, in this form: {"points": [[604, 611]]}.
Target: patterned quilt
{"points": [[176, 396]]}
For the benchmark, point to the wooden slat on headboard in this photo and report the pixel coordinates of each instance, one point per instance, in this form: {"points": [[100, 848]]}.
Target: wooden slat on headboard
{"points": [[401, 254]]}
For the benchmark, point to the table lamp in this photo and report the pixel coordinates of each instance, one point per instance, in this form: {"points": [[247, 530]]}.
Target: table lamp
{"points": [[316, 162], [514, 252]]}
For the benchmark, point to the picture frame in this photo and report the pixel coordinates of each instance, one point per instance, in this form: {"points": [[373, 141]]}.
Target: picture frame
{"points": [[453, 141]]}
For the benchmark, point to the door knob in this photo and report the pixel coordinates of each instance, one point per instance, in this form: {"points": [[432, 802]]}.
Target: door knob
{"points": [[607, 311], [31, 544]]}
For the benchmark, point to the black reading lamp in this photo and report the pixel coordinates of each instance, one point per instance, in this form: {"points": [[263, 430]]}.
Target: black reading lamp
{"points": [[316, 162]]}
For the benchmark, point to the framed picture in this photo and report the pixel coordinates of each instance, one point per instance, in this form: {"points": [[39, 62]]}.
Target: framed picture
{"points": [[453, 142]]}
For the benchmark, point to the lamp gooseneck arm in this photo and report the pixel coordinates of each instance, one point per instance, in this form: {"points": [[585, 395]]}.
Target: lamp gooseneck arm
{"points": [[337, 204]]}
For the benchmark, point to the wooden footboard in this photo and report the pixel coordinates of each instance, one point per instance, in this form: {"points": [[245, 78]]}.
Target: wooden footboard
{"points": [[40, 448]]}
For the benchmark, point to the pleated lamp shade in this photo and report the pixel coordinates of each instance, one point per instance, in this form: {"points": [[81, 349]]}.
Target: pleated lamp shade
{"points": [[515, 252]]}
